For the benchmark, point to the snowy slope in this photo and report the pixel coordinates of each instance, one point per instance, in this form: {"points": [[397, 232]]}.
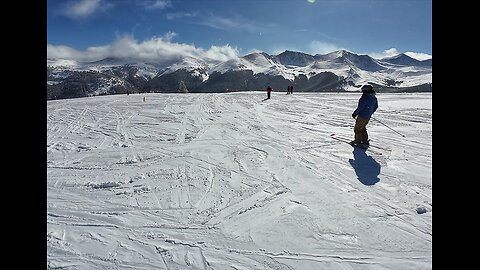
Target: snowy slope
{"points": [[228, 181], [404, 60], [257, 62], [145, 70], [198, 67]]}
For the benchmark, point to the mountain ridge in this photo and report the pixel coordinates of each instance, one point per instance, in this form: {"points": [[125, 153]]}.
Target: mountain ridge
{"points": [[340, 70]]}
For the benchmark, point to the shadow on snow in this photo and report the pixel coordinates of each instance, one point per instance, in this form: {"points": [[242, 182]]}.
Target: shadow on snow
{"points": [[366, 168]]}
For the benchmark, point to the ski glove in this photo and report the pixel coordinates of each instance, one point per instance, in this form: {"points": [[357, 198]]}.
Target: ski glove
{"points": [[354, 115]]}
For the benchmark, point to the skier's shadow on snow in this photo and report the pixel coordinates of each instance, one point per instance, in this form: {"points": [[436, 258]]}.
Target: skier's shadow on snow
{"points": [[366, 168]]}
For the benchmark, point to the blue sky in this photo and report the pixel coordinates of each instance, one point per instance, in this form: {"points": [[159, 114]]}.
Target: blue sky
{"points": [[96, 28]]}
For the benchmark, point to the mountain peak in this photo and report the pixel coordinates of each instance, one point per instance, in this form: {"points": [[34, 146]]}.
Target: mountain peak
{"points": [[398, 56], [288, 51], [401, 59], [335, 54], [343, 53], [256, 54], [292, 58]]}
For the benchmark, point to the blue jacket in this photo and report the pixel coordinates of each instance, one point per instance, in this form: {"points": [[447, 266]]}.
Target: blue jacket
{"points": [[367, 105]]}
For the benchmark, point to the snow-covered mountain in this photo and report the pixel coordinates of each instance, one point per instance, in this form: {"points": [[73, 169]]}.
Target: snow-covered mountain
{"points": [[336, 71], [289, 58], [405, 60], [344, 58]]}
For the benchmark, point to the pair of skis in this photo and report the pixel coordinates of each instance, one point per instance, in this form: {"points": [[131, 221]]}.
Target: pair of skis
{"points": [[369, 147]]}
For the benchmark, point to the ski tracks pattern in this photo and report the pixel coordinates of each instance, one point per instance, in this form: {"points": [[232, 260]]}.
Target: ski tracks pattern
{"points": [[214, 181]]}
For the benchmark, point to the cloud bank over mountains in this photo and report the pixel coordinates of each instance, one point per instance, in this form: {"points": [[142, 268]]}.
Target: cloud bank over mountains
{"points": [[163, 48], [152, 49]]}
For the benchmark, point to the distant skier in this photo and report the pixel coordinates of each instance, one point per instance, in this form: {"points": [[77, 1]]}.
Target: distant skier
{"points": [[269, 90], [367, 105], [289, 89]]}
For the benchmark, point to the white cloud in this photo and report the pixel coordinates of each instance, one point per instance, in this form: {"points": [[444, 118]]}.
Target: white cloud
{"points": [[170, 35], [228, 24], [63, 52], [387, 53], [156, 4], [154, 49], [222, 53], [181, 15], [83, 8], [320, 47], [217, 22]]}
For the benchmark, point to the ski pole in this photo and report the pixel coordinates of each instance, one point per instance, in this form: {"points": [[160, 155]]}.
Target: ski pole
{"points": [[387, 126]]}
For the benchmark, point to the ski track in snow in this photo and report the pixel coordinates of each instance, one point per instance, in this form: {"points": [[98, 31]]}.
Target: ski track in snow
{"points": [[228, 181]]}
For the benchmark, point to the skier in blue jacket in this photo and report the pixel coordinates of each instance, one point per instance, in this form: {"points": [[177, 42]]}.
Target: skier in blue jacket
{"points": [[367, 105]]}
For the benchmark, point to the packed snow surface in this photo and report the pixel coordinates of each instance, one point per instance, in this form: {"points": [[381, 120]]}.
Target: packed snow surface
{"points": [[233, 181]]}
